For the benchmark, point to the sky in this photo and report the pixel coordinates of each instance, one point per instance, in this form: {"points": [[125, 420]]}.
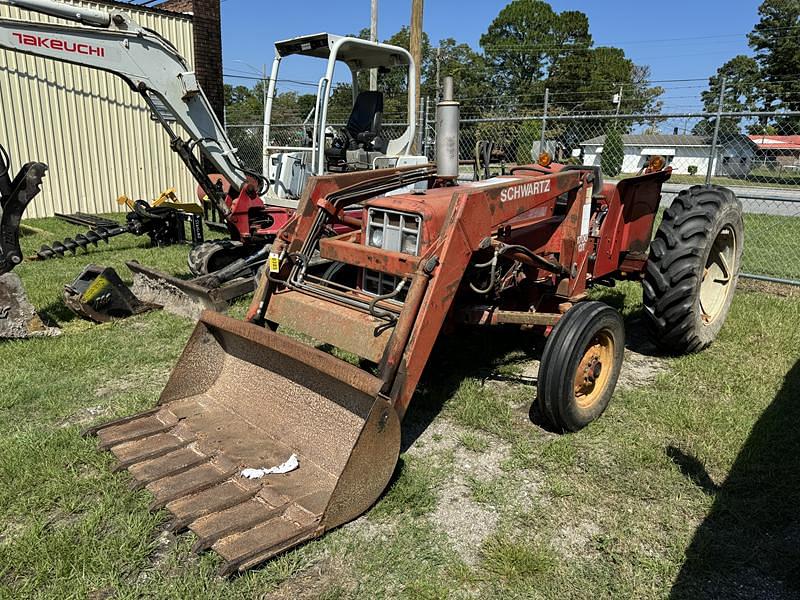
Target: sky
{"points": [[680, 39]]}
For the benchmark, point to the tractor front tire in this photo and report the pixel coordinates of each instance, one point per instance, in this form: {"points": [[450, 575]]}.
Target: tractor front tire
{"points": [[693, 267], [580, 365], [211, 256]]}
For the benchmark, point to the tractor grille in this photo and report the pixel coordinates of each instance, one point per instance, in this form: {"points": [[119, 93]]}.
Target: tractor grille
{"points": [[390, 230]]}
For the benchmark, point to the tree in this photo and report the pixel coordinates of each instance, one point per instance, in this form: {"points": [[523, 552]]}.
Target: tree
{"points": [[529, 48], [526, 40], [776, 40], [467, 68], [587, 80], [394, 84], [243, 105], [613, 152], [742, 93]]}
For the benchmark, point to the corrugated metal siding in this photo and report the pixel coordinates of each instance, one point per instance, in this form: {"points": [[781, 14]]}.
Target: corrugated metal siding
{"points": [[88, 126]]}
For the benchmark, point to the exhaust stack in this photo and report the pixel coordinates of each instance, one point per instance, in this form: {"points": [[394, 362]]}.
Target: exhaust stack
{"points": [[447, 119]]}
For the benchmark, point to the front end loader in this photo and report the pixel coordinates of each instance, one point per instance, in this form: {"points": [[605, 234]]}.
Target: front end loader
{"points": [[521, 249]]}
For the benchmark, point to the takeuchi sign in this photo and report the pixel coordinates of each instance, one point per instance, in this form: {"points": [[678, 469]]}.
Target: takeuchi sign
{"points": [[40, 41]]}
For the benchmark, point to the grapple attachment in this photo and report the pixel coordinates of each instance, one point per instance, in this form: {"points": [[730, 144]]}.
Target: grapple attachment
{"points": [[245, 397]]}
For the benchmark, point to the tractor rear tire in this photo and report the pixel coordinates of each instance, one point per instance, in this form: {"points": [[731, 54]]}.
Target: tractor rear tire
{"points": [[691, 274], [580, 365], [211, 256]]}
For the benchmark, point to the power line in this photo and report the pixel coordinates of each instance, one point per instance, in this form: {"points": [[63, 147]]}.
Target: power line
{"points": [[254, 78], [634, 42]]}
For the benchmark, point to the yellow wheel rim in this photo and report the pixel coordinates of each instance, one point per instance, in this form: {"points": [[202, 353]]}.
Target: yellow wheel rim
{"points": [[594, 370], [718, 276]]}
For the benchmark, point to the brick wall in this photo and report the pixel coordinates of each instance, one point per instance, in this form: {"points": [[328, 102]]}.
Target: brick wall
{"points": [[207, 46]]}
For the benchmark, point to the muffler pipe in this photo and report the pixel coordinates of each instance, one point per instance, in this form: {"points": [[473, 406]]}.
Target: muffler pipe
{"points": [[447, 122]]}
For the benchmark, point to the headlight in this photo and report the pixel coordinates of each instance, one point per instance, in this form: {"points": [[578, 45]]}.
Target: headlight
{"points": [[394, 231], [409, 245]]}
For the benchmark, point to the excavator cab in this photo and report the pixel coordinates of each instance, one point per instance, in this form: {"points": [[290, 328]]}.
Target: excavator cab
{"points": [[338, 143]]}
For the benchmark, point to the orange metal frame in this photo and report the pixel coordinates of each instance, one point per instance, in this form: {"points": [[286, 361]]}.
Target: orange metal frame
{"points": [[542, 212]]}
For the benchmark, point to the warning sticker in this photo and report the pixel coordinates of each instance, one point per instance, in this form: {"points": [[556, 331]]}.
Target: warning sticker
{"points": [[274, 262]]}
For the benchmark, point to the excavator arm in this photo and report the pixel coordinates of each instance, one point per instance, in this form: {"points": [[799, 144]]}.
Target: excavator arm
{"points": [[150, 65]]}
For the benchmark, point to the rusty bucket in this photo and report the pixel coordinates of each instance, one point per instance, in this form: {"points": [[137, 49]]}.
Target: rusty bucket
{"points": [[246, 397]]}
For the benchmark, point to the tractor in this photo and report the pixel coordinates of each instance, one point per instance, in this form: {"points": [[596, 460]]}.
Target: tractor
{"points": [[425, 254]]}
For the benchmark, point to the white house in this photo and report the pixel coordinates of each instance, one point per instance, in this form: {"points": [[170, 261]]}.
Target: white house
{"points": [[686, 154]]}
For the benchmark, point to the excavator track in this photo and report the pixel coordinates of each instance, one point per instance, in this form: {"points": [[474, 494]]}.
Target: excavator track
{"points": [[243, 397]]}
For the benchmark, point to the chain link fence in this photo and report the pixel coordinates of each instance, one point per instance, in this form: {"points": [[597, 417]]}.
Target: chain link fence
{"points": [[763, 169]]}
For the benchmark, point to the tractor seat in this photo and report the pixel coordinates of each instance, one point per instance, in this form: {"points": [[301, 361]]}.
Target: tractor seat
{"points": [[363, 127]]}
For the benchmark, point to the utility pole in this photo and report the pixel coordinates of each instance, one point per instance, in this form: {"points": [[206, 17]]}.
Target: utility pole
{"points": [[415, 46], [373, 37], [264, 81]]}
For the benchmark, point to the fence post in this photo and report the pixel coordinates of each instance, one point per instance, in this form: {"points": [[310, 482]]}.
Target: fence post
{"points": [[418, 137], [544, 121], [424, 128], [712, 157]]}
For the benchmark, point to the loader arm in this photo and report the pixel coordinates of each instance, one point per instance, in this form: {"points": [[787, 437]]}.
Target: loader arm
{"points": [[149, 64]]}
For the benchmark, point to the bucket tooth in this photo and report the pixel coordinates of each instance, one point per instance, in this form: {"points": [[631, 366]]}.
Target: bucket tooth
{"points": [[136, 429], [249, 548], [238, 518], [190, 481], [130, 453], [172, 463], [229, 493], [89, 431]]}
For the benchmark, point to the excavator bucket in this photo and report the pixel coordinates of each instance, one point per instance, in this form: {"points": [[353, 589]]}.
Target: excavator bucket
{"points": [[243, 397]]}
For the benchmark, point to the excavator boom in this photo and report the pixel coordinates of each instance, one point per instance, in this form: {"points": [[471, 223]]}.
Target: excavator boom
{"points": [[150, 65]]}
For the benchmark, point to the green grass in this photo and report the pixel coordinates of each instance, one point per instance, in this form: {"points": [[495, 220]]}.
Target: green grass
{"points": [[687, 485], [772, 246]]}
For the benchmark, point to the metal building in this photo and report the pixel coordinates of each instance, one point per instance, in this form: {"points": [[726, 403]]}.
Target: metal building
{"points": [[95, 134]]}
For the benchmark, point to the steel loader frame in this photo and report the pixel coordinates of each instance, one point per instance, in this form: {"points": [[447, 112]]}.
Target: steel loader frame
{"points": [[482, 217]]}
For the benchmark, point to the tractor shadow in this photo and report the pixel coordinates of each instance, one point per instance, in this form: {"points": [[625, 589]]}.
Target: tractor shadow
{"points": [[485, 353], [748, 546], [471, 352]]}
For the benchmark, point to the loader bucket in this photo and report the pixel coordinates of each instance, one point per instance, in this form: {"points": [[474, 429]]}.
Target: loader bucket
{"points": [[246, 397]]}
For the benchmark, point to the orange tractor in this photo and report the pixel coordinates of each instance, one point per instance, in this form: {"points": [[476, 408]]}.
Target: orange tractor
{"points": [[425, 254]]}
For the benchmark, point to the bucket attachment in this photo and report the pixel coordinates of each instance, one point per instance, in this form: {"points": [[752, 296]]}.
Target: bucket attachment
{"points": [[187, 297], [98, 294], [245, 397]]}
